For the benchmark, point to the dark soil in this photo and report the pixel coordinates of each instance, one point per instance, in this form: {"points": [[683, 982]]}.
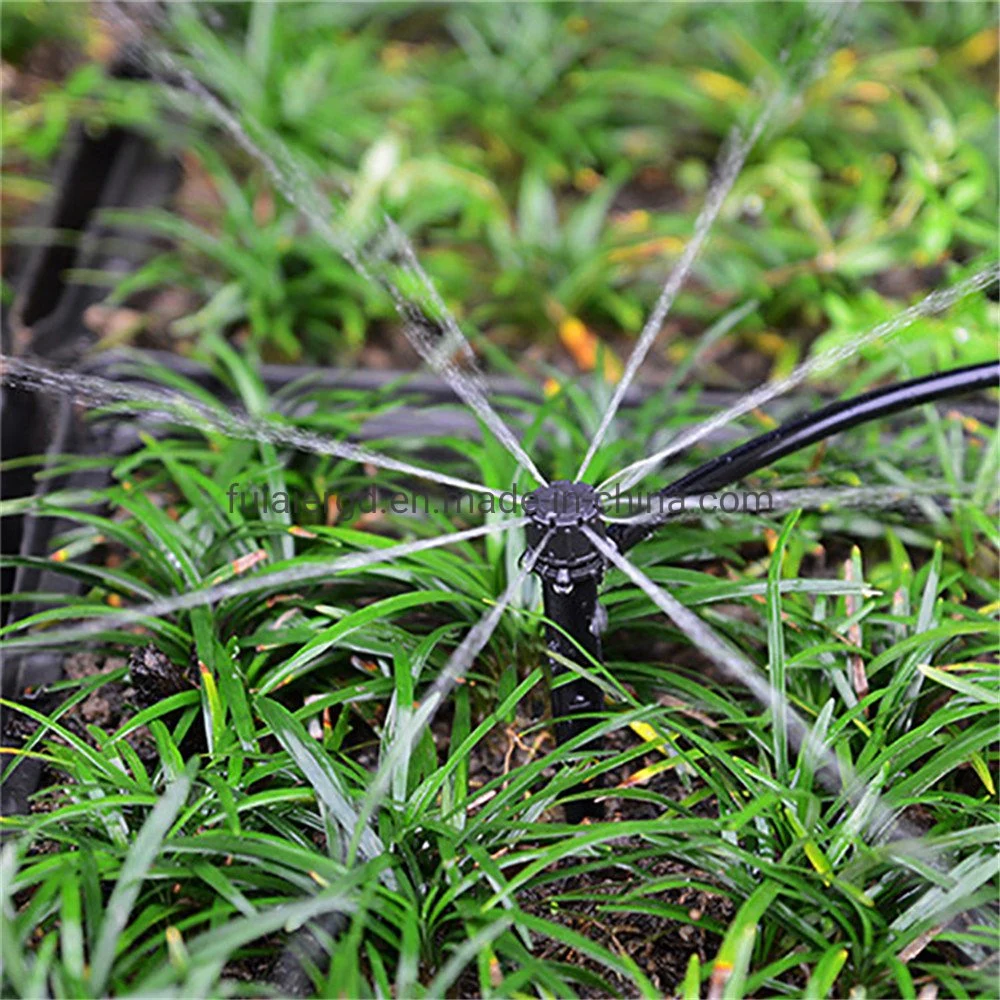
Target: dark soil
{"points": [[660, 944]]}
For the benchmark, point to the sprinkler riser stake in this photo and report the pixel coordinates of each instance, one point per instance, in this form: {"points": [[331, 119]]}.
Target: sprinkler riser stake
{"points": [[571, 571]]}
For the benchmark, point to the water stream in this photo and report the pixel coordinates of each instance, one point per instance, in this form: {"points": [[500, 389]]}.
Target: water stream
{"points": [[149, 401], [765, 501], [267, 149], [835, 775], [728, 169], [457, 666], [305, 571]]}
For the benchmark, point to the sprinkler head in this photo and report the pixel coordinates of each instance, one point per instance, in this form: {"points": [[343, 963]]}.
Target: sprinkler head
{"points": [[564, 508]]}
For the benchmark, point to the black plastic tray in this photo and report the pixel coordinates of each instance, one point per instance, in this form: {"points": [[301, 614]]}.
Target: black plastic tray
{"points": [[120, 169]]}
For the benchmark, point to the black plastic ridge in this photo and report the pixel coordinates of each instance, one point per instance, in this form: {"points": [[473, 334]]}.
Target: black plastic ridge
{"points": [[429, 387], [410, 419], [117, 168]]}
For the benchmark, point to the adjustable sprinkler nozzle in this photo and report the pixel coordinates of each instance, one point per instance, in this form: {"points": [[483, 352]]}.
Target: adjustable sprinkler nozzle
{"points": [[564, 508]]}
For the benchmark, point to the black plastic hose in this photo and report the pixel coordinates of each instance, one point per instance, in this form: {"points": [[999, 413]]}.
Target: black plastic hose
{"points": [[761, 451]]}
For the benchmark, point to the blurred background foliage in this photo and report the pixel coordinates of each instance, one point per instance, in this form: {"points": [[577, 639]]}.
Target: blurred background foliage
{"points": [[549, 161]]}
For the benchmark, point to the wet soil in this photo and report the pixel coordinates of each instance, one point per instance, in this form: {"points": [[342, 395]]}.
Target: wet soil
{"points": [[661, 943]]}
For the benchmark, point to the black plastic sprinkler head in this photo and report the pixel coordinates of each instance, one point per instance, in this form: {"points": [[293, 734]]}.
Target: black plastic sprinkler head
{"points": [[571, 570], [564, 508]]}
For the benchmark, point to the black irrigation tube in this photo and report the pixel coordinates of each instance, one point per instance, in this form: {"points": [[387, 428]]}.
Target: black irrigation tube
{"points": [[762, 451]]}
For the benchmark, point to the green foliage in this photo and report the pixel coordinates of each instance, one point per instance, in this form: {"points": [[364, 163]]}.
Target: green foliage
{"points": [[258, 274], [26, 23]]}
